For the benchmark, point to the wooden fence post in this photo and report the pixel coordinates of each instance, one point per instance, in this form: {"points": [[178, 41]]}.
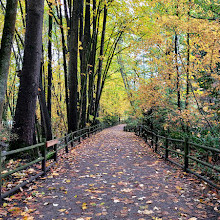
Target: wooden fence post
{"points": [[66, 144], [79, 138], [45, 158], [152, 139], [55, 149], [72, 137], [156, 143], [85, 134], [166, 149], [143, 134], [186, 153], [88, 132]]}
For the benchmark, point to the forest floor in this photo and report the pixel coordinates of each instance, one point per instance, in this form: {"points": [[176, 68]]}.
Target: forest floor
{"points": [[114, 175]]}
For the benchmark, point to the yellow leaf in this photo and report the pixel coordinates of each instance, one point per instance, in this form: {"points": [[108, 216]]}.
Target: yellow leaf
{"points": [[84, 206]]}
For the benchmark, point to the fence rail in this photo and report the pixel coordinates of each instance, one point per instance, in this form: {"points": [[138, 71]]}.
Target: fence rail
{"points": [[49, 151], [187, 151]]}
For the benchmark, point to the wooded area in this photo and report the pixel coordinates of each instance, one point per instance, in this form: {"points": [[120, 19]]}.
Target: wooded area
{"points": [[70, 68], [61, 56], [79, 63]]}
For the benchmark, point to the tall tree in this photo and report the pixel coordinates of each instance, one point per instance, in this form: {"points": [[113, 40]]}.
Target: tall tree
{"points": [[73, 62], [6, 45], [50, 75], [29, 80], [96, 15], [64, 50], [99, 70], [86, 43]]}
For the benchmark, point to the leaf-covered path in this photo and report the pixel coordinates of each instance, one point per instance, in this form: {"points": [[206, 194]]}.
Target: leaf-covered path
{"points": [[115, 175]]}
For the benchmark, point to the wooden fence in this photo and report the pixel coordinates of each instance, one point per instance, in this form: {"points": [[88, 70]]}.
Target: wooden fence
{"points": [[186, 155], [49, 151]]}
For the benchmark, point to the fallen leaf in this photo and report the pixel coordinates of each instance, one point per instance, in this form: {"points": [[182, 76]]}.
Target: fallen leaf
{"points": [[84, 206]]}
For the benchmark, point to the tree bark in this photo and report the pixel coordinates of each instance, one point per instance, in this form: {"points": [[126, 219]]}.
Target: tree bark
{"points": [[46, 119], [86, 43], [5, 51], [72, 72], [92, 61], [64, 50], [177, 73], [29, 80], [49, 64], [99, 70]]}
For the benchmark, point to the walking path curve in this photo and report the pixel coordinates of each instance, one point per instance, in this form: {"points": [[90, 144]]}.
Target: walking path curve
{"points": [[115, 175]]}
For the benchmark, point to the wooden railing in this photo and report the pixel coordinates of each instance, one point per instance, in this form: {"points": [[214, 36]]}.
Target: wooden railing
{"points": [[49, 151], [186, 155]]}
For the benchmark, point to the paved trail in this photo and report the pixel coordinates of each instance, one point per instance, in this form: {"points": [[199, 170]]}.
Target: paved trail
{"points": [[114, 175]]}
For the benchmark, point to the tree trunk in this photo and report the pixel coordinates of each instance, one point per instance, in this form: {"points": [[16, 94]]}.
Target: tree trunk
{"points": [[73, 61], [177, 73], [64, 50], [188, 70], [29, 80], [125, 81], [92, 63], [99, 70], [86, 43], [46, 119], [5, 51], [105, 73], [49, 64]]}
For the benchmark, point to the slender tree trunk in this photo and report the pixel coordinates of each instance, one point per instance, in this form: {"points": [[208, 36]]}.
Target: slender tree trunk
{"points": [[125, 80], [73, 61], [46, 119], [84, 63], [99, 70], [177, 73], [22, 13], [29, 79], [50, 74], [92, 63], [188, 70], [64, 63], [105, 73], [5, 51]]}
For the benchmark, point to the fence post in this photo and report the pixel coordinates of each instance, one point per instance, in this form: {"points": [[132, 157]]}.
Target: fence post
{"points": [[152, 139], [79, 139], [55, 149], [94, 129], [88, 132], [0, 176], [186, 153], [85, 134], [45, 158], [71, 139], [66, 144], [166, 149], [143, 134], [156, 143]]}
